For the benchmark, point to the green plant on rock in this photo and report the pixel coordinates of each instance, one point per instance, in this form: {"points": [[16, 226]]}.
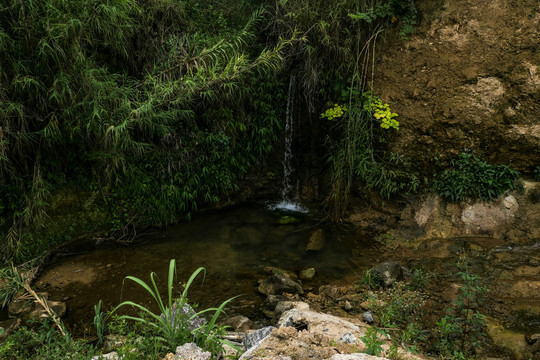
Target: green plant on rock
{"points": [[470, 178], [172, 324]]}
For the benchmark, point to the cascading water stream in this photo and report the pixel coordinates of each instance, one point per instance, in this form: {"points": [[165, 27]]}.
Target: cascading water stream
{"points": [[287, 203]]}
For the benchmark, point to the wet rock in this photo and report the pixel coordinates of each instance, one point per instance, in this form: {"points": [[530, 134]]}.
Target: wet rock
{"points": [[279, 284], [182, 314], [389, 272], [348, 338], [367, 317], [254, 338], [307, 274], [8, 326], [239, 323], [191, 352], [316, 241]]}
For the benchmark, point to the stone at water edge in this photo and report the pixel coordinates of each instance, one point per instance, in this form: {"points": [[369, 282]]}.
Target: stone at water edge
{"points": [[389, 272], [239, 323], [307, 274], [279, 284]]}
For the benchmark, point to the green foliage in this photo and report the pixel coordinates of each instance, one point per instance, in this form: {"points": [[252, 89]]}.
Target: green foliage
{"points": [[335, 112], [12, 282], [471, 178], [371, 339], [158, 103], [460, 333], [390, 11], [101, 321], [43, 343], [370, 280], [374, 105], [171, 325]]}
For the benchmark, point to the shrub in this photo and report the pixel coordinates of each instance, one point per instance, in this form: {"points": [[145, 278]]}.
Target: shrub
{"points": [[171, 324], [472, 178]]}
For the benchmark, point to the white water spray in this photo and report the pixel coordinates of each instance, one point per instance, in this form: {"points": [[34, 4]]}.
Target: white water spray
{"points": [[286, 202]]}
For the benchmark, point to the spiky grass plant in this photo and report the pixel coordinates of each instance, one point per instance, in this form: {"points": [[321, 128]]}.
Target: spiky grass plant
{"points": [[173, 324]]}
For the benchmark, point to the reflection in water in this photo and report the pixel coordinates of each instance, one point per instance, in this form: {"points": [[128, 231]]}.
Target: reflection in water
{"points": [[234, 246]]}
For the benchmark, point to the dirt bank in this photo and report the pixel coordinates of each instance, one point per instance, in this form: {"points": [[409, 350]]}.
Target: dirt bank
{"points": [[469, 78]]}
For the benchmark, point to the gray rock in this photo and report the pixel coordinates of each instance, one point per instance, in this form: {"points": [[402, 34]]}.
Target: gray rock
{"points": [[389, 272], [192, 352], [367, 317], [348, 338], [256, 337], [184, 315], [278, 284]]}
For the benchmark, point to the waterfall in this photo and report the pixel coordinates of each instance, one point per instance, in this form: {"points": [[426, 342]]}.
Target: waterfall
{"points": [[287, 203]]}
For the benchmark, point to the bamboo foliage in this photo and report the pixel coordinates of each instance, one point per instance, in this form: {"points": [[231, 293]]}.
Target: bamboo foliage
{"points": [[105, 84]]}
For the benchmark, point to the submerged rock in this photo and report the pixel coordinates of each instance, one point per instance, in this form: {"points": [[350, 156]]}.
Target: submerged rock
{"points": [[279, 284], [316, 241]]}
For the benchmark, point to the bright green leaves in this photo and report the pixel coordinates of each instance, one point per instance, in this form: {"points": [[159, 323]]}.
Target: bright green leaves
{"points": [[381, 112], [335, 112]]}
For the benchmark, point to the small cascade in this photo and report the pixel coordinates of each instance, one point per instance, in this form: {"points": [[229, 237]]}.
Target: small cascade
{"points": [[287, 203]]}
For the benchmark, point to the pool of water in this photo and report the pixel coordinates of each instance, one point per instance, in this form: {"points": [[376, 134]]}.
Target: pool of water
{"points": [[236, 246]]}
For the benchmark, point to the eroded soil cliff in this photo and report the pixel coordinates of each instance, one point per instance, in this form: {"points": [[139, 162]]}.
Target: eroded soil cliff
{"points": [[468, 79]]}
